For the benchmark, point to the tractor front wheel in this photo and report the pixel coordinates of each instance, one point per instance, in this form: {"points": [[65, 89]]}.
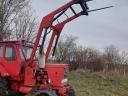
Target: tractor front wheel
{"points": [[45, 93], [71, 92], [3, 87]]}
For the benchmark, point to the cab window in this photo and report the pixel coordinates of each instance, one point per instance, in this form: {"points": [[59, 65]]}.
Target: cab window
{"points": [[27, 52], [10, 53], [1, 50], [21, 54]]}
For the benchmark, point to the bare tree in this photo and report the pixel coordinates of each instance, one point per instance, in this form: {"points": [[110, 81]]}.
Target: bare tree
{"points": [[65, 49], [25, 26], [111, 54], [110, 61], [77, 56], [111, 58], [124, 58], [9, 9]]}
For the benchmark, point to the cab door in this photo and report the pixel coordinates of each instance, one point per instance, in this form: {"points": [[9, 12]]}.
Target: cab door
{"points": [[11, 61]]}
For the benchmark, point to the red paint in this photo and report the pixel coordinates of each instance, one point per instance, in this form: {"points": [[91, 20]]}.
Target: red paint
{"points": [[21, 72], [25, 89], [56, 73]]}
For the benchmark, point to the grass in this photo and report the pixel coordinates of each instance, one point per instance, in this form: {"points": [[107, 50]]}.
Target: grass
{"points": [[86, 84]]}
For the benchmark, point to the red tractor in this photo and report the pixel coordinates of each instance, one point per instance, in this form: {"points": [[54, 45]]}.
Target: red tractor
{"points": [[22, 71]]}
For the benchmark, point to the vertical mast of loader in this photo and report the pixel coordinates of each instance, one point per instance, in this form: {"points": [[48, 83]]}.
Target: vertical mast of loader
{"points": [[48, 23]]}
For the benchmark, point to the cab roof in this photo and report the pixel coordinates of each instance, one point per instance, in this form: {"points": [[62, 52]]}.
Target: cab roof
{"points": [[23, 42], [10, 41]]}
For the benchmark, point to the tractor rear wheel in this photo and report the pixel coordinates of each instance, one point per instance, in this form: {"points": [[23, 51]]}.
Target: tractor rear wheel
{"points": [[3, 87]]}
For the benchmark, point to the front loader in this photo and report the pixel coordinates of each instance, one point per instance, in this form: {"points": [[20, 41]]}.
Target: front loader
{"points": [[24, 65]]}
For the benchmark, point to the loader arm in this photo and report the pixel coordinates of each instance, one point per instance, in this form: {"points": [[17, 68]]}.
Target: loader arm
{"points": [[48, 23]]}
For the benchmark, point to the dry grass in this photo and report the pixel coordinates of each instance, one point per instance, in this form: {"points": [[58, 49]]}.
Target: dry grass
{"points": [[87, 84]]}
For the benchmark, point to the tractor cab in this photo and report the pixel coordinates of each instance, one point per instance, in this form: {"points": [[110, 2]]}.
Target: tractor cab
{"points": [[14, 59], [13, 55]]}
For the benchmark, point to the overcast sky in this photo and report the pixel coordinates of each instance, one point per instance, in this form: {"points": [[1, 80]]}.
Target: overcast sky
{"points": [[100, 28]]}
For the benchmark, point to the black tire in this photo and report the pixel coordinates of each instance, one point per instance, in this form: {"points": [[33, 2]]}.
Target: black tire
{"points": [[42, 94], [3, 87], [71, 92], [45, 93]]}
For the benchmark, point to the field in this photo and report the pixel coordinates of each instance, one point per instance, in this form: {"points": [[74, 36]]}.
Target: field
{"points": [[87, 84]]}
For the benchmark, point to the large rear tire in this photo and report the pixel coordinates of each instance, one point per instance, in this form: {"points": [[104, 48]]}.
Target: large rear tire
{"points": [[3, 87]]}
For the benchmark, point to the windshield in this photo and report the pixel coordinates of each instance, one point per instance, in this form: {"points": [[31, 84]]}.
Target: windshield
{"points": [[27, 52], [1, 48]]}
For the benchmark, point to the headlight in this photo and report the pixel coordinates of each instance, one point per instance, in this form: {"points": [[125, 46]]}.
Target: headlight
{"points": [[64, 80]]}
